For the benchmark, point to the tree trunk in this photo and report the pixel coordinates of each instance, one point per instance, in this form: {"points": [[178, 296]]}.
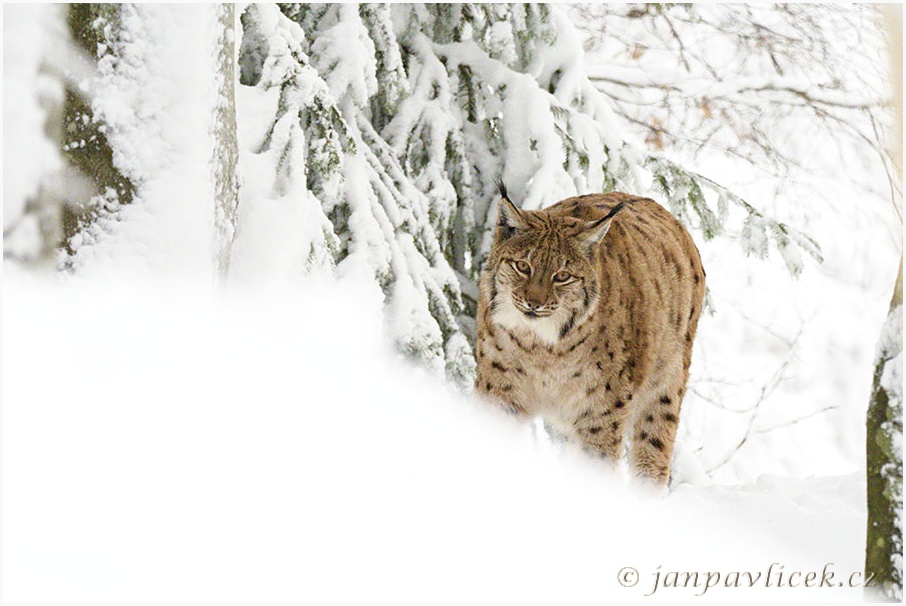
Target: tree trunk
{"points": [[884, 457], [84, 141], [226, 148]]}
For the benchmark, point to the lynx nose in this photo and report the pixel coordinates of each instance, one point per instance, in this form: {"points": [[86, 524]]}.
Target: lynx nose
{"points": [[534, 296], [533, 303], [533, 306]]}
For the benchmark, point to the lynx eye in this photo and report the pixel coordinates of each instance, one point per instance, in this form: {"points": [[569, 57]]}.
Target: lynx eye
{"points": [[522, 267], [562, 276]]}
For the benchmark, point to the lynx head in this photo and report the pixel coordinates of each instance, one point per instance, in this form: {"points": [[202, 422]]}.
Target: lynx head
{"points": [[543, 270]]}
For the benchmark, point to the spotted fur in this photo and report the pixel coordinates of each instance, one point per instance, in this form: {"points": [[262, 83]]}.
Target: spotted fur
{"points": [[596, 301]]}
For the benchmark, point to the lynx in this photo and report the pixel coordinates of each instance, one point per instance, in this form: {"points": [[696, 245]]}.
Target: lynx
{"points": [[586, 317]]}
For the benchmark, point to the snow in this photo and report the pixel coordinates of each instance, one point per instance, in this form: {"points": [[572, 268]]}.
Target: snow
{"points": [[161, 142], [28, 154], [139, 474], [500, 42], [166, 442], [366, 204], [890, 349], [345, 53]]}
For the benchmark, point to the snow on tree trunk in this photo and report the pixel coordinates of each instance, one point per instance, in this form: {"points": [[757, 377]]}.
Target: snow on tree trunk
{"points": [[884, 457], [226, 145], [85, 141], [159, 120]]}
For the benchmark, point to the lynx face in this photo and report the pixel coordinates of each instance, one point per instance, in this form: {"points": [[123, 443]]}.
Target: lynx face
{"points": [[545, 280]]}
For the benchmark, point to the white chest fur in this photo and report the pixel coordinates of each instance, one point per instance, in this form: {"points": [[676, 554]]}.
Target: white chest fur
{"points": [[546, 329]]}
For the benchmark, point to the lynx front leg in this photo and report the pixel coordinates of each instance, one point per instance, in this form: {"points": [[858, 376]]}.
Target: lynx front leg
{"points": [[498, 380], [501, 393], [653, 437], [601, 427]]}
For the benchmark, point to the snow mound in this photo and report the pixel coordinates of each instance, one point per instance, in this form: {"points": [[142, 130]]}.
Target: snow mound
{"points": [[271, 446]]}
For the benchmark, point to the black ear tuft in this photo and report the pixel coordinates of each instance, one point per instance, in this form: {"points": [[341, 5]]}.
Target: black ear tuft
{"points": [[614, 211], [501, 187]]}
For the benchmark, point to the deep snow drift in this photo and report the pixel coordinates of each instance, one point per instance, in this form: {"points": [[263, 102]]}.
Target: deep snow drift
{"points": [[166, 444]]}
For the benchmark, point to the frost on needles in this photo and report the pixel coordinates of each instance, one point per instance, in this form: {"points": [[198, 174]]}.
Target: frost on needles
{"points": [[393, 122]]}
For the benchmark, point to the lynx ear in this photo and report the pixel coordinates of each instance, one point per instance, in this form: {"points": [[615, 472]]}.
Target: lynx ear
{"points": [[509, 218], [594, 232]]}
